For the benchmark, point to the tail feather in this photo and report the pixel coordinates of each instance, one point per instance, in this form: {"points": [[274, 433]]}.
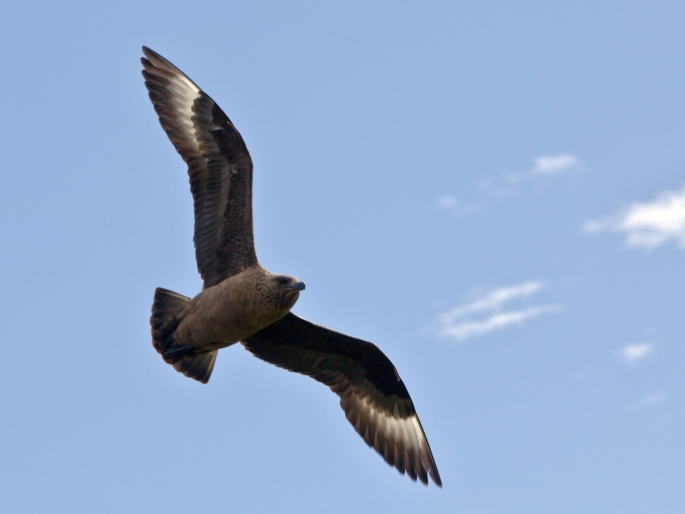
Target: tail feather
{"points": [[164, 322], [200, 367]]}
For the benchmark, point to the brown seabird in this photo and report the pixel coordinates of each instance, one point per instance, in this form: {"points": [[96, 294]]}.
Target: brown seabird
{"points": [[243, 302]]}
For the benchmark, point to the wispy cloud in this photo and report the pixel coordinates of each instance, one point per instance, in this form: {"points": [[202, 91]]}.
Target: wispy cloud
{"points": [[492, 300], [452, 204], [466, 329], [459, 323], [544, 166], [648, 224], [650, 399], [654, 399], [551, 164], [447, 201], [634, 353], [502, 185]]}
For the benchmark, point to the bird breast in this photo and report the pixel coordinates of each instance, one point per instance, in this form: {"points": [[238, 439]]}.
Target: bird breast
{"points": [[226, 313]]}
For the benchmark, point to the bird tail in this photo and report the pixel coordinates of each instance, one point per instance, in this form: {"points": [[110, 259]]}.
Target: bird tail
{"points": [[164, 321]]}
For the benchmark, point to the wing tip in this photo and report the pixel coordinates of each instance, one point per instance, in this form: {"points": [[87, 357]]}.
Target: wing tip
{"points": [[150, 53], [435, 475]]}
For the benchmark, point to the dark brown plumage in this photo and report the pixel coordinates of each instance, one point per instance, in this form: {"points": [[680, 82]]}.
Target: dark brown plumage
{"points": [[219, 166], [371, 392], [243, 302]]}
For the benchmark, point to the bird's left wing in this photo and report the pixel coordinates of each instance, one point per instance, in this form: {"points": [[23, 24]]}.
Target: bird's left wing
{"points": [[373, 396]]}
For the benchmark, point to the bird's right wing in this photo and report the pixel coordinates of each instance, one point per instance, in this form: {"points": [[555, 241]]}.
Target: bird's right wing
{"points": [[373, 396], [219, 166]]}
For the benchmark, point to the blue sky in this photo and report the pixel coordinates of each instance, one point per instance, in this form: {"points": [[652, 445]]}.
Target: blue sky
{"points": [[492, 193]]}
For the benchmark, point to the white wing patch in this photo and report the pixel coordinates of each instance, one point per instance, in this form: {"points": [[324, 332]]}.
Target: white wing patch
{"points": [[184, 95], [400, 440], [184, 92]]}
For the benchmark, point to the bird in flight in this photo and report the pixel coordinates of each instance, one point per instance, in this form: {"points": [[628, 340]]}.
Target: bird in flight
{"points": [[243, 302]]}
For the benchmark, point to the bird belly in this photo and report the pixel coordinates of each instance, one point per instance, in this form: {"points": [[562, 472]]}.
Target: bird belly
{"points": [[220, 316]]}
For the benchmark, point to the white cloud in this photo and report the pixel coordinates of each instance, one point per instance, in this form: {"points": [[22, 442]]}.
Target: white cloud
{"points": [[550, 164], [492, 300], [468, 329], [454, 206], [633, 353], [651, 399], [648, 224], [654, 398], [453, 323], [594, 227], [447, 201], [510, 184]]}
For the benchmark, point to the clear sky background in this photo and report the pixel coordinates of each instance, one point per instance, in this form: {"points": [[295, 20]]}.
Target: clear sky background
{"points": [[492, 192]]}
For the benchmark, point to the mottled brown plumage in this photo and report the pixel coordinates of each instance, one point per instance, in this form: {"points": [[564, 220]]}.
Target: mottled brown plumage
{"points": [[242, 301]]}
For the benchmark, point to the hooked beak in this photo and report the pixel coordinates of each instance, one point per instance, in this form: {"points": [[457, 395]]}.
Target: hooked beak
{"points": [[297, 286]]}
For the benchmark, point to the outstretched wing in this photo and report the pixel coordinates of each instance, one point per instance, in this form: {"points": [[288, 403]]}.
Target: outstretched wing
{"points": [[373, 396], [219, 166]]}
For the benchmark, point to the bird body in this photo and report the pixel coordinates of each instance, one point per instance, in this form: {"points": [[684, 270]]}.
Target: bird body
{"points": [[235, 309], [243, 302]]}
